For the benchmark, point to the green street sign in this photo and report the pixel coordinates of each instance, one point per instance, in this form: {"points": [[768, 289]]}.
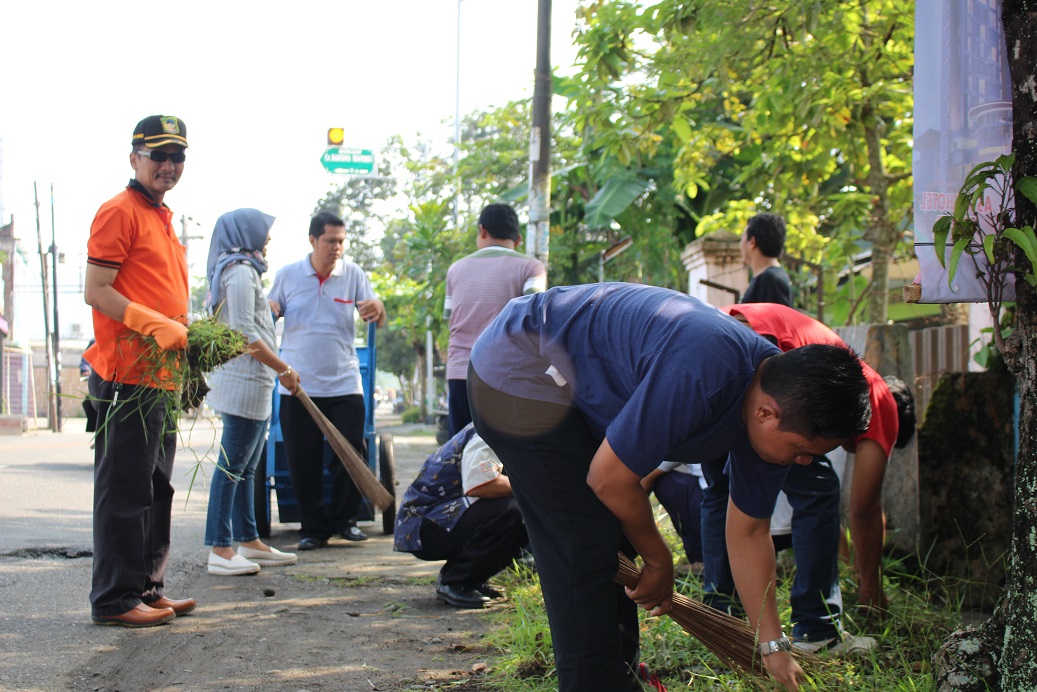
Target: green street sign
{"points": [[349, 161]]}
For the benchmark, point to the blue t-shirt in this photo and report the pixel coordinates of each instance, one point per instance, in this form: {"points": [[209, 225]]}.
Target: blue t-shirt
{"points": [[662, 375]]}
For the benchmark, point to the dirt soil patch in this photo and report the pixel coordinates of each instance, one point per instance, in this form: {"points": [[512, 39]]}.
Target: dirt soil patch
{"points": [[352, 616]]}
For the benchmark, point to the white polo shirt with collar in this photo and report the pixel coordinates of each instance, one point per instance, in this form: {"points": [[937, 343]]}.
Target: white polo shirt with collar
{"points": [[320, 325]]}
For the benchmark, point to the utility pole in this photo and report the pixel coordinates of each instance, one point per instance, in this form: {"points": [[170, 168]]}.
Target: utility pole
{"points": [[56, 332], [537, 233], [51, 400], [185, 238], [7, 306], [430, 379], [457, 119]]}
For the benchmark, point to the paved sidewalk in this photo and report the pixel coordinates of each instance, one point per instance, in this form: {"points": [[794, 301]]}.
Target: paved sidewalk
{"points": [[46, 489]]}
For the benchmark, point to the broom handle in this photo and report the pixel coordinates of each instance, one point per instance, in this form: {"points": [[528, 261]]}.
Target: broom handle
{"points": [[356, 467]]}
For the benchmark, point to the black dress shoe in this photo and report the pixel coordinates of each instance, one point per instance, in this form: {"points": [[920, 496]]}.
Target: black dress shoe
{"points": [[486, 590], [460, 596], [352, 533], [312, 543]]}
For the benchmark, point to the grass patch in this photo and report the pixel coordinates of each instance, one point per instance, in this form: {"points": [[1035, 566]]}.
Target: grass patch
{"points": [[919, 619]]}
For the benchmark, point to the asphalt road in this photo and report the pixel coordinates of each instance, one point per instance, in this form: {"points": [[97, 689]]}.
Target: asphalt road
{"points": [[46, 486]]}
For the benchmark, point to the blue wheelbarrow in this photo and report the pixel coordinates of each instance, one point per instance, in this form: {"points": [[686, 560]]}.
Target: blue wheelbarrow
{"points": [[272, 475]]}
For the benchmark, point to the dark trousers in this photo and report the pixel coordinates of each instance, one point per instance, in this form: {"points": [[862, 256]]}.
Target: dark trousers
{"points": [[487, 537], [133, 495], [457, 402], [815, 597], [304, 449], [547, 450], [90, 411]]}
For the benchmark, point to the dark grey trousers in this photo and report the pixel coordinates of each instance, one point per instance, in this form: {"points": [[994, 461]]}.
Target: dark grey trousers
{"points": [[547, 451], [133, 495]]}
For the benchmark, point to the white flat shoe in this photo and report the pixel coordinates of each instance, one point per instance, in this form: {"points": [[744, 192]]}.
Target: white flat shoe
{"points": [[235, 566], [263, 557]]}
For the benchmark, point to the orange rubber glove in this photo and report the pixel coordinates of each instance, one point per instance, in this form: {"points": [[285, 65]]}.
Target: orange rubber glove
{"points": [[170, 334]]}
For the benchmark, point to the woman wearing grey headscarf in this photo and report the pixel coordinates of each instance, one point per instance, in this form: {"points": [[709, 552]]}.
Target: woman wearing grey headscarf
{"points": [[242, 392]]}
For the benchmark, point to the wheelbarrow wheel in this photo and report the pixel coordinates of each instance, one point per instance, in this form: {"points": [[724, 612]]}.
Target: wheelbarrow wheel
{"points": [[387, 474], [261, 494]]}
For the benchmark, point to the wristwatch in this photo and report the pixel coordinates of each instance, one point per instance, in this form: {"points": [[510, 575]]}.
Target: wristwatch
{"points": [[775, 645]]}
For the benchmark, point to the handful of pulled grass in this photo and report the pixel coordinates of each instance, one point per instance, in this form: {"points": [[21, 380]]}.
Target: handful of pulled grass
{"points": [[210, 344]]}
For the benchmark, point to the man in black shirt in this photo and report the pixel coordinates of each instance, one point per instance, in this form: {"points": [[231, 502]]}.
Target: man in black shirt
{"points": [[762, 243]]}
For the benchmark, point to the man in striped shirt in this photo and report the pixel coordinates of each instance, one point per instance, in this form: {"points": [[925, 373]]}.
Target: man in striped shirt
{"points": [[477, 289]]}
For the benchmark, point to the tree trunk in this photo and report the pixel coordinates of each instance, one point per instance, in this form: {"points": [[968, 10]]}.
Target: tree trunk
{"points": [[881, 231], [965, 660], [1018, 664], [1015, 623]]}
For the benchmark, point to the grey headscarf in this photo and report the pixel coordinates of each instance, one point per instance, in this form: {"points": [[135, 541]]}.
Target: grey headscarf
{"points": [[239, 236]]}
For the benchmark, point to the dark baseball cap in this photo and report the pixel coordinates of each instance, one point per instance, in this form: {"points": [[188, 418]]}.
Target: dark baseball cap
{"points": [[157, 130]]}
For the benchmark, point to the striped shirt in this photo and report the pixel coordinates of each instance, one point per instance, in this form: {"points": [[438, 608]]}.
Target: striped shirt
{"points": [[477, 289], [244, 386]]}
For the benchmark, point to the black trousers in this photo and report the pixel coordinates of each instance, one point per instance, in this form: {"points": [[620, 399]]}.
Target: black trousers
{"points": [[133, 495], [547, 451], [90, 411], [304, 449], [487, 537], [457, 398]]}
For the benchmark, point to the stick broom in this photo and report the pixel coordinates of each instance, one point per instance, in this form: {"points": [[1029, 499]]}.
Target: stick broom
{"points": [[357, 468], [729, 638]]}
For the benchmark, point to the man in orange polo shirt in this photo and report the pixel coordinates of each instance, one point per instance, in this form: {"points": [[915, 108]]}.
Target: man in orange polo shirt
{"points": [[136, 283]]}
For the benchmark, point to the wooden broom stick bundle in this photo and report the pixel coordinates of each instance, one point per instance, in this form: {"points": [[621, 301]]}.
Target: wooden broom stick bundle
{"points": [[357, 468], [729, 638]]}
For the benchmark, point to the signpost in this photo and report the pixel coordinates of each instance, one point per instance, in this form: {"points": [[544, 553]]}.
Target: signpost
{"points": [[348, 161]]}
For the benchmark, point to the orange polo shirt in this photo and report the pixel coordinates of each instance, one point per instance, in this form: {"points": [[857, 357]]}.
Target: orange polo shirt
{"points": [[135, 236]]}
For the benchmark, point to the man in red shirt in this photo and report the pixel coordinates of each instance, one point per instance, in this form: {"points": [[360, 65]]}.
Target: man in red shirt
{"points": [[136, 283], [813, 492]]}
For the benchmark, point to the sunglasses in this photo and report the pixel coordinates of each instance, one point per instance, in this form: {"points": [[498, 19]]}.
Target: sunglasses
{"points": [[162, 157]]}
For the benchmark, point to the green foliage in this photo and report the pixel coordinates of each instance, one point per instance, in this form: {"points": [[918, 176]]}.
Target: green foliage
{"points": [[681, 118], [989, 355], [916, 625], [804, 110], [612, 199], [412, 415], [210, 344], [983, 225]]}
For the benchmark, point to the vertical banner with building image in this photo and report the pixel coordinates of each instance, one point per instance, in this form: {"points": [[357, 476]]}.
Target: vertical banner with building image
{"points": [[963, 117]]}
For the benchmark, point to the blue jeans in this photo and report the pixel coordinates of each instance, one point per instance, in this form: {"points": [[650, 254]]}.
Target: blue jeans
{"points": [[232, 509], [681, 496], [813, 493]]}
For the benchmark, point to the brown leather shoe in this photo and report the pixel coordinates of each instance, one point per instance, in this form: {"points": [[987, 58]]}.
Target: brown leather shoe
{"points": [[181, 607], [140, 616]]}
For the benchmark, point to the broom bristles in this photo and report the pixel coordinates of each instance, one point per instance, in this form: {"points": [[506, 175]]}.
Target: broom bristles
{"points": [[727, 637]]}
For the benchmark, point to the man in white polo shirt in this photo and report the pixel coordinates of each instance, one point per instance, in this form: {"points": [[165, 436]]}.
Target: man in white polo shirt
{"points": [[318, 297]]}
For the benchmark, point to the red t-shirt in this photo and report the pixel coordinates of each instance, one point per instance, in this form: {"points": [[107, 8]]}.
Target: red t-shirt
{"points": [[135, 236], [792, 329]]}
